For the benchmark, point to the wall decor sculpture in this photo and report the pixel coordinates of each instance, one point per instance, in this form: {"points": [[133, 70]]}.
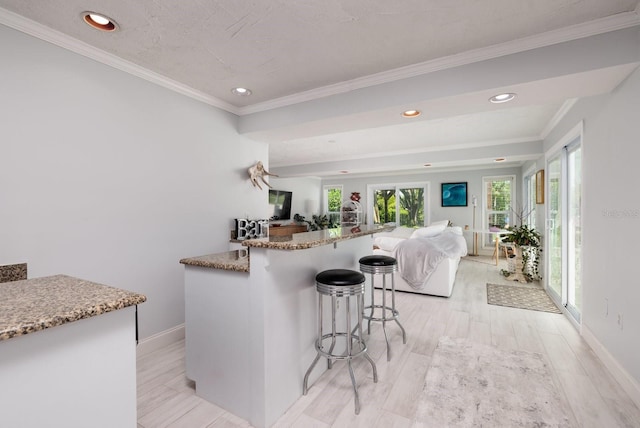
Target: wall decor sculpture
{"points": [[258, 171]]}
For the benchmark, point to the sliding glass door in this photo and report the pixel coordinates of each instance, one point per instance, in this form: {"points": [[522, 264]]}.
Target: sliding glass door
{"points": [[554, 226], [404, 205], [574, 230], [564, 227]]}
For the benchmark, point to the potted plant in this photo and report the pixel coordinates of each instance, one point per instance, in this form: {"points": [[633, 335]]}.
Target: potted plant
{"points": [[527, 242], [319, 222]]}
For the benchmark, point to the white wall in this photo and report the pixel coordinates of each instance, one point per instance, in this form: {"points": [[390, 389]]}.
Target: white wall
{"points": [[611, 218], [460, 216], [306, 193], [110, 178]]}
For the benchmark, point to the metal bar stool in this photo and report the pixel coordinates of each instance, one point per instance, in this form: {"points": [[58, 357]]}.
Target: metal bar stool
{"points": [[382, 265], [337, 283]]}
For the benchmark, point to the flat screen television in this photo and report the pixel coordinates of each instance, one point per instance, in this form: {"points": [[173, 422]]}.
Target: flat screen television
{"points": [[279, 205]]}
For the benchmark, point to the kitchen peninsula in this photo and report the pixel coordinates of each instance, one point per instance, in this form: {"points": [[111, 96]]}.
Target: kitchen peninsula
{"points": [[67, 354], [251, 317]]}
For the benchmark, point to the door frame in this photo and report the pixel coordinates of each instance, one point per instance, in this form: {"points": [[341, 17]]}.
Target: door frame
{"points": [[576, 134]]}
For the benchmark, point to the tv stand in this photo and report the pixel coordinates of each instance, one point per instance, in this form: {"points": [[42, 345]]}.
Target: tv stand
{"points": [[287, 229]]}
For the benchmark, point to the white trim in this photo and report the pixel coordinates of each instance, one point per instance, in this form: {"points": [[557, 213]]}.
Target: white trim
{"points": [[417, 171], [35, 29], [560, 114], [573, 32], [416, 151], [160, 340], [626, 381], [484, 212], [325, 197], [572, 134], [578, 31], [530, 171]]}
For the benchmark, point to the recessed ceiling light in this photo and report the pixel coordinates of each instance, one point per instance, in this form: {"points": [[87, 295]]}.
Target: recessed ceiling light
{"points": [[411, 113], [99, 21], [500, 159], [243, 92], [502, 98]]}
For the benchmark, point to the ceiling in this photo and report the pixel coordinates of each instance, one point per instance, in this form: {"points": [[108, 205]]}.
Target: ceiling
{"points": [[329, 79]]}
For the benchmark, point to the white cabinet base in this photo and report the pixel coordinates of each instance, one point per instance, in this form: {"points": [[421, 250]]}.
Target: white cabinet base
{"points": [[77, 375]]}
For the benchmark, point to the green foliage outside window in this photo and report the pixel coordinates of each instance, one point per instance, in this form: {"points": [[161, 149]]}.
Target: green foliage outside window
{"points": [[412, 207], [499, 201], [335, 200], [385, 206], [410, 202], [500, 195]]}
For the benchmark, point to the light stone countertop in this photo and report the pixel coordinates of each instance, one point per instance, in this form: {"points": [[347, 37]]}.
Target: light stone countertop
{"points": [[301, 241], [237, 260], [31, 305]]}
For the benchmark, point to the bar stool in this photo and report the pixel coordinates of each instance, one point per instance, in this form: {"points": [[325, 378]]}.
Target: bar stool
{"points": [[382, 265], [337, 283]]}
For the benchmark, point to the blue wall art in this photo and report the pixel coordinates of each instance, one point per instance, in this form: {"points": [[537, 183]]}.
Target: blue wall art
{"points": [[454, 194]]}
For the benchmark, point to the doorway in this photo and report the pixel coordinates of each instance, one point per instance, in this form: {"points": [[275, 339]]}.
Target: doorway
{"points": [[564, 227]]}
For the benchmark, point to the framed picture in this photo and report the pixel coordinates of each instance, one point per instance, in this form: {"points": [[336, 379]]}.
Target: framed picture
{"points": [[540, 187], [454, 194]]}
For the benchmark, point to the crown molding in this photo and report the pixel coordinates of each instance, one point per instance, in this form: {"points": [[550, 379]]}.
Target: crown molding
{"points": [[561, 113], [35, 29], [417, 151], [599, 26]]}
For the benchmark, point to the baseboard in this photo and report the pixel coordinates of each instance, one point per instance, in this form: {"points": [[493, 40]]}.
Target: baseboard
{"points": [[160, 340], [626, 381]]}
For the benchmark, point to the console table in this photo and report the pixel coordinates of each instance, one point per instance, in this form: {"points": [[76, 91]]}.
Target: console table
{"points": [[287, 229]]}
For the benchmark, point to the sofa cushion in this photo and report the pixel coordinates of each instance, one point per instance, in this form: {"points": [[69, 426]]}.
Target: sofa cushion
{"points": [[387, 243], [425, 232]]}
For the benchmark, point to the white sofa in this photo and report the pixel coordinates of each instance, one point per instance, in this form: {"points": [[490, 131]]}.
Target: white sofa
{"points": [[441, 280]]}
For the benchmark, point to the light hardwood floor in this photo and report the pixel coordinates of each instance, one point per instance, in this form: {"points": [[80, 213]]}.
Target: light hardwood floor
{"points": [[167, 399]]}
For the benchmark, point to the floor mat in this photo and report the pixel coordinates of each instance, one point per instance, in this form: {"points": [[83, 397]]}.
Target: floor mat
{"points": [[531, 298]]}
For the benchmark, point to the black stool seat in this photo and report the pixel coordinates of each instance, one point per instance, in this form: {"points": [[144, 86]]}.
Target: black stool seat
{"points": [[378, 264], [378, 260], [340, 277]]}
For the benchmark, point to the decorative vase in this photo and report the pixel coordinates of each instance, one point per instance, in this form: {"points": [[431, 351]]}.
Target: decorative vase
{"points": [[355, 196]]}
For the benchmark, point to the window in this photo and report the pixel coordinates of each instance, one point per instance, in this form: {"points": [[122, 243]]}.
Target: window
{"points": [[332, 202], [498, 200], [402, 204], [529, 208]]}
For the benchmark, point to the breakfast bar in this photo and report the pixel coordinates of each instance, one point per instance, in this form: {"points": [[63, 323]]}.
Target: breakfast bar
{"points": [[67, 353], [250, 317]]}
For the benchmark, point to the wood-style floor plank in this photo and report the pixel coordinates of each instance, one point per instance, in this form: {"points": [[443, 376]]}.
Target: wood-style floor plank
{"points": [[166, 398]]}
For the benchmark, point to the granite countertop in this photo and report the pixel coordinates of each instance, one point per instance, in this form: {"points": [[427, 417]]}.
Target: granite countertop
{"points": [[31, 305], [237, 260], [304, 240]]}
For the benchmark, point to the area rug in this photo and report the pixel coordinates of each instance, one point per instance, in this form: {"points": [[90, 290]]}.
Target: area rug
{"points": [[473, 385], [532, 298]]}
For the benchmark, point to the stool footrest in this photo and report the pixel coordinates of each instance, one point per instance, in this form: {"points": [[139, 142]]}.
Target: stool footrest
{"points": [[394, 313], [355, 342]]}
